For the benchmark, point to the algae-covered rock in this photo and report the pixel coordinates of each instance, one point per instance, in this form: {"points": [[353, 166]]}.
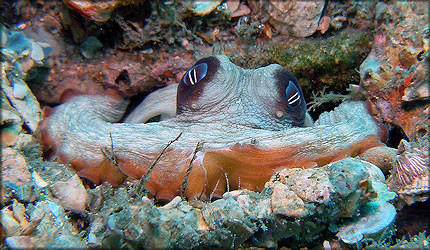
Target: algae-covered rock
{"points": [[298, 203], [375, 216], [315, 62]]}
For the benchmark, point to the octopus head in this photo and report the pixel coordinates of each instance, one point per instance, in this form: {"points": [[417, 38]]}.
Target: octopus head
{"points": [[269, 97]]}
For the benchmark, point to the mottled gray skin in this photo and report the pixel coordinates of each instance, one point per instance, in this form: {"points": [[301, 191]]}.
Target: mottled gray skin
{"points": [[235, 96]]}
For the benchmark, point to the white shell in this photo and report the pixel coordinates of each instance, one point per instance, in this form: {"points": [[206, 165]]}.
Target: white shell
{"points": [[204, 7], [36, 52], [20, 89]]}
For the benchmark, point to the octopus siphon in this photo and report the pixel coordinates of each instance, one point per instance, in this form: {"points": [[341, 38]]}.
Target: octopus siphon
{"points": [[231, 128]]}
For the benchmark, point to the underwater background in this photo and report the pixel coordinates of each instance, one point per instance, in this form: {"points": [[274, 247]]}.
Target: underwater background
{"points": [[341, 52]]}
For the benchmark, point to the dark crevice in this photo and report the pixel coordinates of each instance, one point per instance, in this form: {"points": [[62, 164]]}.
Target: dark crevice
{"points": [[395, 135]]}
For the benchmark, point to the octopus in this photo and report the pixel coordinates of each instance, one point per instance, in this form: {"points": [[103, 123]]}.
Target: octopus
{"points": [[232, 128]]}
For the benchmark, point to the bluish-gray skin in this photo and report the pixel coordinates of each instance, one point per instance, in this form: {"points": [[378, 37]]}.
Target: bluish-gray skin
{"points": [[267, 98]]}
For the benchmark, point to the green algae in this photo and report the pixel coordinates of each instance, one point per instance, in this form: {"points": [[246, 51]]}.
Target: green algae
{"points": [[386, 241], [316, 62]]}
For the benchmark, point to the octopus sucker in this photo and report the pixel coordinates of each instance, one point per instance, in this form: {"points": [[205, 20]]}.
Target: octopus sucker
{"points": [[231, 112]]}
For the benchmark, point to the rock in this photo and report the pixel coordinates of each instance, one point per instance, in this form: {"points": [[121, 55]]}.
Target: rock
{"points": [[11, 123], [345, 175], [8, 222], [36, 52], [298, 18], [90, 46], [233, 5], [17, 53], [27, 242], [99, 11], [14, 167], [55, 229], [320, 189], [254, 205], [28, 107], [17, 42], [324, 24], [243, 10], [3, 35], [72, 194], [20, 89], [383, 157], [286, 202], [202, 7]]}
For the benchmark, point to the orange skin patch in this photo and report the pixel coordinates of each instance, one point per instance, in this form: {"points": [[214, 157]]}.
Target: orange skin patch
{"points": [[213, 172], [248, 167]]}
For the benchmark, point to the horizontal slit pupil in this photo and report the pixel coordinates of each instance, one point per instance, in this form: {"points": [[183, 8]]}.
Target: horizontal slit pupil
{"points": [[190, 78], [195, 74], [195, 77], [295, 97]]}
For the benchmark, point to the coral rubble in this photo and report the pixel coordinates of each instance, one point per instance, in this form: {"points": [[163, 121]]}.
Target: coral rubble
{"points": [[19, 55], [243, 218], [395, 74]]}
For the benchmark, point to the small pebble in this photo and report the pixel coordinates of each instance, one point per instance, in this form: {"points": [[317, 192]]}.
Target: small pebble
{"points": [[36, 52], [38, 180], [20, 89]]}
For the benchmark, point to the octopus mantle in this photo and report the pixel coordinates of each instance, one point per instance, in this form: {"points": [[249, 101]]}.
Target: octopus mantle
{"points": [[218, 149]]}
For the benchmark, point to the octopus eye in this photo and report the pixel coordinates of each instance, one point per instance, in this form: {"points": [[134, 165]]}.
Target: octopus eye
{"points": [[193, 83], [293, 95], [291, 101], [195, 74]]}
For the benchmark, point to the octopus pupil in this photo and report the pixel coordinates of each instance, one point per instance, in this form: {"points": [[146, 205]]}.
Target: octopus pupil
{"points": [[293, 99], [191, 76], [195, 74], [293, 94]]}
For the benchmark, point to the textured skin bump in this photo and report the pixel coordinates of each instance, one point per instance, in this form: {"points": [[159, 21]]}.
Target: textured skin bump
{"points": [[242, 143]]}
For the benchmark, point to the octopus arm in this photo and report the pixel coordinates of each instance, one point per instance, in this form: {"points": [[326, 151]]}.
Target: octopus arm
{"points": [[85, 134]]}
